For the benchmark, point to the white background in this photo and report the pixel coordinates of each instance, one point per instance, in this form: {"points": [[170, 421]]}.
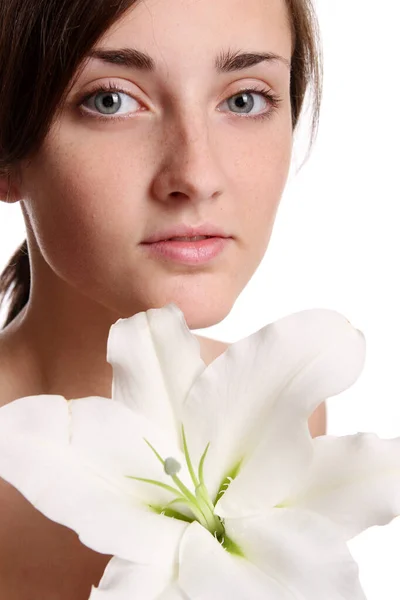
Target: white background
{"points": [[335, 243]]}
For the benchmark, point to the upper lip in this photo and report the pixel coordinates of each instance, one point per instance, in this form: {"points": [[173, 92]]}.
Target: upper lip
{"points": [[186, 231]]}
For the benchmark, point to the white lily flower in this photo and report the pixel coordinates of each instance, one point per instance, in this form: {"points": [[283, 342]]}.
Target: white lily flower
{"points": [[204, 482]]}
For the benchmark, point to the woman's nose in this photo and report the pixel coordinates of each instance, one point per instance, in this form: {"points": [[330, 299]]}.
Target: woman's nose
{"points": [[191, 165]]}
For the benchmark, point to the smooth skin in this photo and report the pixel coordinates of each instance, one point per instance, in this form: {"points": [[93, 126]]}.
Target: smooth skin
{"points": [[184, 153]]}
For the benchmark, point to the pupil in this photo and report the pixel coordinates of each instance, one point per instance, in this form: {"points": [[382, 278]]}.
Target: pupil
{"points": [[108, 101], [242, 100]]}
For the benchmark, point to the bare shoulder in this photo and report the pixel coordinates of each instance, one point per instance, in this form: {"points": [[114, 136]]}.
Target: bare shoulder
{"points": [[317, 423], [17, 378]]}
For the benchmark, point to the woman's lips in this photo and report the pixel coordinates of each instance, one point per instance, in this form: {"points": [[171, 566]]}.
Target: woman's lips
{"points": [[188, 252]]}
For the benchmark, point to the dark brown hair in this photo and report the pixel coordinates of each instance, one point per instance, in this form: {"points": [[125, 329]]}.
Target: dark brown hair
{"points": [[43, 44]]}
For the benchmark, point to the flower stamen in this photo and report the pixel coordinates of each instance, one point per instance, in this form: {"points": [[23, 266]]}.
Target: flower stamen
{"points": [[199, 503]]}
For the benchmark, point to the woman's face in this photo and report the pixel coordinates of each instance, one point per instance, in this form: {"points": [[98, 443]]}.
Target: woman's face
{"points": [[178, 144]]}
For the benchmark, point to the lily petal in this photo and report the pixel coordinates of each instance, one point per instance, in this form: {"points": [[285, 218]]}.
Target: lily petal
{"points": [[37, 458], [277, 464], [253, 402], [124, 579], [301, 548], [155, 360], [110, 437], [354, 480], [208, 571], [173, 593]]}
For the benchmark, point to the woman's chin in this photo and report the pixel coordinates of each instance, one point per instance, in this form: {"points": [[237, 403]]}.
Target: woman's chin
{"points": [[200, 312]]}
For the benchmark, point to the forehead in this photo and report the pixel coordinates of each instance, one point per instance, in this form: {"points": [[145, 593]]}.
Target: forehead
{"points": [[186, 32]]}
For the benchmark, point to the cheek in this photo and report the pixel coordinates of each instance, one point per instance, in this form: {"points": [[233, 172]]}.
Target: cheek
{"points": [[81, 215], [263, 180]]}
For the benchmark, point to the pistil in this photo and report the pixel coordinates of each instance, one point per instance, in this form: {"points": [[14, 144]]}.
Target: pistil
{"points": [[200, 502]]}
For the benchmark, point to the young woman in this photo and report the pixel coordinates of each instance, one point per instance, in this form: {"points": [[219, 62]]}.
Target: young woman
{"points": [[122, 123]]}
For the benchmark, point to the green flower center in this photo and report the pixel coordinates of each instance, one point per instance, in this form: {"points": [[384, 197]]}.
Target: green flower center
{"points": [[200, 504]]}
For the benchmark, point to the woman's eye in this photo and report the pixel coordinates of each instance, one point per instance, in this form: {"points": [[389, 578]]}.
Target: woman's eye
{"points": [[243, 102], [110, 100]]}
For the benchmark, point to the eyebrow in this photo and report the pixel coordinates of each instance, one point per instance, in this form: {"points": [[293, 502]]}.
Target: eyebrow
{"points": [[225, 62]]}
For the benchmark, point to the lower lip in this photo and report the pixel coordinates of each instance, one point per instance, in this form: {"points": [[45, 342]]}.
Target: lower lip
{"points": [[189, 253]]}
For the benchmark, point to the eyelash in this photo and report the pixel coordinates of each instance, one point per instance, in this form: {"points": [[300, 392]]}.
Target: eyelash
{"points": [[273, 99]]}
